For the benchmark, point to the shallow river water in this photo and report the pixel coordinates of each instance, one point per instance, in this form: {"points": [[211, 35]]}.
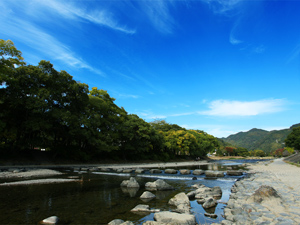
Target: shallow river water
{"points": [[98, 197]]}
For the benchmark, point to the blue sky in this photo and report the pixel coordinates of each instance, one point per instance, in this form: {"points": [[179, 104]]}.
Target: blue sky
{"points": [[221, 66]]}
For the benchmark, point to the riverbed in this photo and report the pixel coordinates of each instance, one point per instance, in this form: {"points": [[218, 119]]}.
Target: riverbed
{"points": [[97, 198]]}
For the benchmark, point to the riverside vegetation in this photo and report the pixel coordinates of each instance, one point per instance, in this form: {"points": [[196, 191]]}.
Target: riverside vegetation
{"points": [[46, 109]]}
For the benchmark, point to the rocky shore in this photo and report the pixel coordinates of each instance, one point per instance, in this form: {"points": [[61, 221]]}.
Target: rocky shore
{"points": [[269, 195]]}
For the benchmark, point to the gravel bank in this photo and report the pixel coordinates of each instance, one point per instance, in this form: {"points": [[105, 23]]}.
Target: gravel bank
{"points": [[30, 173], [38, 181], [283, 209]]}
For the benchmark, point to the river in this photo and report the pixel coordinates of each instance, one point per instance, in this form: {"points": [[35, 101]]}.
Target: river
{"points": [[98, 197]]}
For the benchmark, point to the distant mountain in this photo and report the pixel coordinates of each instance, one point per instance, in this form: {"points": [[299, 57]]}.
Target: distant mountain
{"points": [[268, 141]]}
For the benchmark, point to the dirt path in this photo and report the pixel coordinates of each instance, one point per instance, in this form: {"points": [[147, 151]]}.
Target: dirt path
{"points": [[284, 172]]}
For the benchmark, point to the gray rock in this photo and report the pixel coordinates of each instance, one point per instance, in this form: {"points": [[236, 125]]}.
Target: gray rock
{"points": [[133, 183], [147, 195], [226, 222], [175, 218], [105, 169], [155, 171], [153, 223], [50, 220], [234, 173], [209, 203], [264, 192], [116, 222], [216, 191], [158, 185], [141, 208], [127, 170], [184, 171], [182, 208], [211, 215], [127, 223], [210, 173], [180, 198], [139, 171], [198, 172], [171, 171], [191, 194]]}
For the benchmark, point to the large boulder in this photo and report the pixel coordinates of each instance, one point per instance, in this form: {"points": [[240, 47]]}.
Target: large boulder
{"points": [[175, 218], [158, 185], [143, 208], [265, 193], [180, 198]]}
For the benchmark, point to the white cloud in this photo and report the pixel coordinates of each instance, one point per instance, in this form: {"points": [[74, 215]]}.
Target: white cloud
{"points": [[71, 11], [222, 6], [39, 40], [234, 41], [238, 108], [159, 15]]}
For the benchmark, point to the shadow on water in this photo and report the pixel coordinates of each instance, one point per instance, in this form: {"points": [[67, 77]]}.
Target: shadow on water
{"points": [[98, 198]]}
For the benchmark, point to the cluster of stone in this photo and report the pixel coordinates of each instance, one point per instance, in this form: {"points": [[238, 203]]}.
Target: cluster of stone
{"points": [[255, 201], [180, 214]]}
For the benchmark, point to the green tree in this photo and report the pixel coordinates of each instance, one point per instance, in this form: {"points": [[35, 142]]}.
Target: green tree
{"points": [[259, 153], [293, 139]]}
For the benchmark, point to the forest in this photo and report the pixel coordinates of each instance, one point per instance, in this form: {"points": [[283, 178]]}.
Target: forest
{"points": [[45, 109]]}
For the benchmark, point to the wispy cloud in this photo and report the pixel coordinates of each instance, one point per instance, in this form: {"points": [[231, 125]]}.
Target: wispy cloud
{"points": [[232, 39], [239, 108], [294, 54], [223, 6], [43, 42], [98, 16], [159, 14]]}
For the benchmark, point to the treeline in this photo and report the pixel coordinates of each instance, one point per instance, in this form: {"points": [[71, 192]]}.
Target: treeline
{"points": [[42, 108]]}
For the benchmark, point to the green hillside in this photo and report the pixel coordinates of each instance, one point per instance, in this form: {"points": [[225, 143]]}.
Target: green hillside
{"points": [[268, 141]]}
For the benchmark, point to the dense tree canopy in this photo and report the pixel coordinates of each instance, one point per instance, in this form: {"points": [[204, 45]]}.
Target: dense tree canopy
{"points": [[42, 108]]}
